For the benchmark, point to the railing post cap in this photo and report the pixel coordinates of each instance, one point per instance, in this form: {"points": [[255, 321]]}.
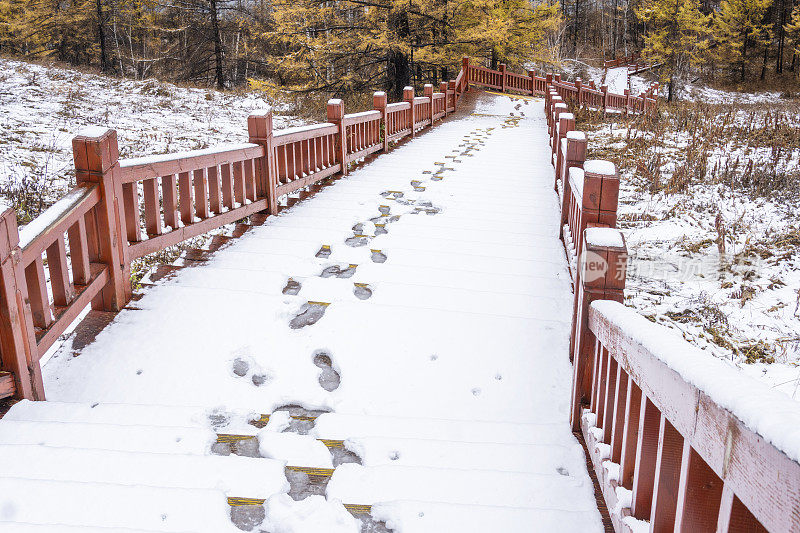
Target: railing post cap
{"points": [[95, 133], [604, 258], [600, 167], [335, 109], [264, 112]]}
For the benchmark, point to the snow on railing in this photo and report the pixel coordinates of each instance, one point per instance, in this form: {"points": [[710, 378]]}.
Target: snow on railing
{"points": [[678, 439]]}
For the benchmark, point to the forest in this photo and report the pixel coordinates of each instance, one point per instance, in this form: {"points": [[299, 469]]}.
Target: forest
{"points": [[310, 46]]}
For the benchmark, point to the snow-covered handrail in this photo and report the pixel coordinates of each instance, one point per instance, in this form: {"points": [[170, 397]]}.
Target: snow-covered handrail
{"points": [[726, 446]]}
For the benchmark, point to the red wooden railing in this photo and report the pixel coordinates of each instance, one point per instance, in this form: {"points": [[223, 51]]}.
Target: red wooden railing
{"points": [[679, 441], [80, 250]]}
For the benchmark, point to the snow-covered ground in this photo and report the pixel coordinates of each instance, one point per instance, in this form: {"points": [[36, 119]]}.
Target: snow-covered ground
{"points": [[739, 302], [42, 107], [617, 80], [430, 334]]}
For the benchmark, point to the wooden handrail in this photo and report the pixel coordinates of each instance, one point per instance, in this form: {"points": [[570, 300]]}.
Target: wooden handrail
{"points": [[141, 168]]}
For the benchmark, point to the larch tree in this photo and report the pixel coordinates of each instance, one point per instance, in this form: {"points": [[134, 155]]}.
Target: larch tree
{"points": [[740, 29], [677, 38]]}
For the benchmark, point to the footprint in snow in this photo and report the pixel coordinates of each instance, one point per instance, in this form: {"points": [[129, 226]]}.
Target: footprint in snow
{"points": [[329, 378], [292, 287], [337, 271], [357, 240], [309, 314], [324, 251], [378, 256], [362, 291]]}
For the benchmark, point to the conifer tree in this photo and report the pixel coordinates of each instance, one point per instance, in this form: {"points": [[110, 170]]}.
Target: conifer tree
{"points": [[677, 37], [739, 29]]}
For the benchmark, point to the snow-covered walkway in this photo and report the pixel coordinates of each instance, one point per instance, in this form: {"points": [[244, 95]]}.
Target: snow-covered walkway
{"points": [[422, 302], [617, 80]]}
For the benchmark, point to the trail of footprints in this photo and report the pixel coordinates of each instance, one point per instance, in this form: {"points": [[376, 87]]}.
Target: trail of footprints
{"points": [[247, 514]]}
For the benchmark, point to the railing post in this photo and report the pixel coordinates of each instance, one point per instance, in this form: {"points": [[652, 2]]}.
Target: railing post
{"points": [[18, 351], [379, 102], [601, 272], [465, 69], [336, 116], [259, 127], [627, 93], [566, 123], [451, 89], [408, 96], [604, 90], [558, 107], [579, 86], [575, 157], [443, 89], [96, 156], [503, 81], [532, 76]]}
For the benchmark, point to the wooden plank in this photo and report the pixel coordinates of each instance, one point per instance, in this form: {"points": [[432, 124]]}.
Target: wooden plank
{"points": [[79, 252], [214, 190], [200, 193]]}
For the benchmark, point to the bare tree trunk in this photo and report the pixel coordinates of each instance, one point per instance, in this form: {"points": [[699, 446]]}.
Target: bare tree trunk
{"points": [[101, 36], [220, 74]]}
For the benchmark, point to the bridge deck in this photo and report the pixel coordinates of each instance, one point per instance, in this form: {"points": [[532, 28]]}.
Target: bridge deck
{"points": [[452, 378]]}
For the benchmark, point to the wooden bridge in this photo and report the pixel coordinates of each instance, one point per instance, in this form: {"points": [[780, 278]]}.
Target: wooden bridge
{"points": [[385, 321]]}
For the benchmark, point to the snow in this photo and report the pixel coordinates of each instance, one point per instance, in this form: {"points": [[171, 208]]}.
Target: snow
{"points": [[617, 80], [599, 166], [605, 237], [92, 131], [576, 135], [576, 176], [43, 107], [766, 412], [51, 215], [314, 514], [293, 449], [455, 345]]}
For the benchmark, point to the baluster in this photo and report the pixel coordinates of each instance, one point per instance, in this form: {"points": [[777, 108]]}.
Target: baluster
{"points": [[186, 195], [668, 471], [630, 434], [238, 183], [79, 252], [611, 387], [646, 452], [63, 292], [130, 199], [214, 197], [37, 294], [227, 186], [152, 209], [617, 432], [700, 494], [169, 191], [200, 193], [249, 180]]}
